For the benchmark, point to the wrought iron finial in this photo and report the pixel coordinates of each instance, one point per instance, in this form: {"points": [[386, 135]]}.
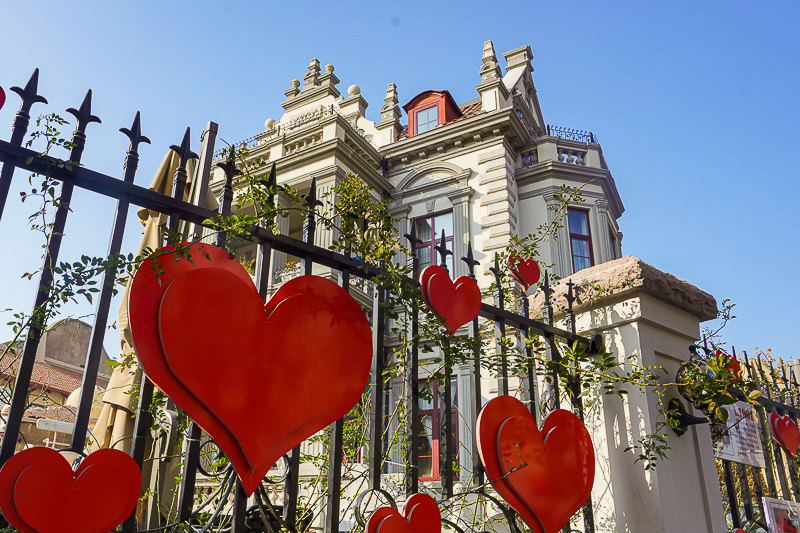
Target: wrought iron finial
{"points": [[84, 117], [184, 151], [135, 134], [30, 94], [84, 113], [311, 197], [470, 261], [496, 269], [443, 251], [412, 239], [570, 296], [546, 289]]}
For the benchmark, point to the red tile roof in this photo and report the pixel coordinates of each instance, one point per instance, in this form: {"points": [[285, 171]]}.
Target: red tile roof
{"points": [[47, 375]]}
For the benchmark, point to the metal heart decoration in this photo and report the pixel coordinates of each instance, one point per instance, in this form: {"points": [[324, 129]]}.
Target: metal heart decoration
{"points": [[526, 272], [455, 303], [258, 378], [784, 431], [421, 516], [545, 475], [40, 493]]}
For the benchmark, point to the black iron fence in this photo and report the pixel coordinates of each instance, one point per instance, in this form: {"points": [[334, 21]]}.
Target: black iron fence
{"points": [[203, 503], [744, 485]]}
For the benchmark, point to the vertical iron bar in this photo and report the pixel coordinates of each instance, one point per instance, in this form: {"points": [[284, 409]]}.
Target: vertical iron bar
{"points": [[336, 446], [500, 329], [733, 505], [446, 433], [762, 418], [412, 373], [588, 511], [376, 390], [551, 352], [292, 487], [747, 497], [94, 352], [477, 396], [531, 377], [780, 471], [38, 318], [191, 459], [18, 130]]}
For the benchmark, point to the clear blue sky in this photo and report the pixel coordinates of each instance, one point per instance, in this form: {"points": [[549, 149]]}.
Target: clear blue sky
{"points": [[695, 105]]}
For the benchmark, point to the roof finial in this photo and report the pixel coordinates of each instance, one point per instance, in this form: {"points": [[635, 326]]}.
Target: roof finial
{"points": [[490, 69]]}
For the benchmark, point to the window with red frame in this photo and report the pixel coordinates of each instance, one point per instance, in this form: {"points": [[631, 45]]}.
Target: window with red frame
{"points": [[429, 231], [580, 239], [427, 119], [430, 437]]}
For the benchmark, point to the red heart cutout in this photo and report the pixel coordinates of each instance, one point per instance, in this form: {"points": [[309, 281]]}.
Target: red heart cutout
{"points": [[253, 361], [422, 515], [144, 301], [455, 303], [2, 97], [42, 494], [526, 272], [546, 476], [784, 431]]}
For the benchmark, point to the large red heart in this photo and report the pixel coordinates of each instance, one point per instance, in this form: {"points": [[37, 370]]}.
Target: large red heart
{"points": [[546, 476], [455, 303], [144, 300], [526, 272], [421, 516], [784, 431], [235, 379], [40, 493]]}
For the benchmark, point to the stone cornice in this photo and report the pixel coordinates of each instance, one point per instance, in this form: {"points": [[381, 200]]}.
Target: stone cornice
{"points": [[503, 121], [581, 174], [623, 278], [461, 196]]}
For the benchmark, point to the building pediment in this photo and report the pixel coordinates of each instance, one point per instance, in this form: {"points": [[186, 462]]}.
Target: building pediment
{"points": [[434, 175]]}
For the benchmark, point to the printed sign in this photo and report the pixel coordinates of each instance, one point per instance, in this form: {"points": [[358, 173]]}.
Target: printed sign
{"points": [[782, 516], [741, 441]]}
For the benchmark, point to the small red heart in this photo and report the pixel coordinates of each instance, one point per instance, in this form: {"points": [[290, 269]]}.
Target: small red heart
{"points": [[526, 272], [785, 433], [422, 515], [264, 377], [40, 493], [546, 476], [2, 97], [455, 303]]}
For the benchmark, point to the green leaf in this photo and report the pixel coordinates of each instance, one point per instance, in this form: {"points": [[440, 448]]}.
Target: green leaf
{"points": [[754, 395]]}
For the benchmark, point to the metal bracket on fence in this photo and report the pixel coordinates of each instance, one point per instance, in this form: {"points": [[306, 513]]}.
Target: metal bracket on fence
{"points": [[677, 412]]}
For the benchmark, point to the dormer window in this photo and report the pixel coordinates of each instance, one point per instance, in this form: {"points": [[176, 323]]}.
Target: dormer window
{"points": [[427, 119], [430, 109]]}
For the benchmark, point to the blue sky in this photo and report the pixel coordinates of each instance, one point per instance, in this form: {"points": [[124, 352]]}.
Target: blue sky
{"points": [[695, 105]]}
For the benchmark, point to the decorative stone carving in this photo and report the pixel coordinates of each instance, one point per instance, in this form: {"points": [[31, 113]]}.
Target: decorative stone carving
{"points": [[490, 69], [311, 79]]}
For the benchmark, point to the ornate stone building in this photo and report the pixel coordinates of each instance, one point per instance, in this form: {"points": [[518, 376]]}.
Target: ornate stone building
{"points": [[481, 170]]}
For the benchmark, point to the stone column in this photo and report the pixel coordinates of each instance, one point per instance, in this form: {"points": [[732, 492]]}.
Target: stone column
{"points": [[560, 252], [324, 237], [652, 317], [602, 231], [279, 258], [461, 228]]}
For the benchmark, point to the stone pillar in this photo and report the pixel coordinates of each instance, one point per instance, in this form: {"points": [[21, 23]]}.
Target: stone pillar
{"points": [[461, 229], [602, 231], [560, 252], [652, 317], [324, 237], [279, 258]]}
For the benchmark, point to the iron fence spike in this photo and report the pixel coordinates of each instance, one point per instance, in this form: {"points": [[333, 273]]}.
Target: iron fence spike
{"points": [[135, 133], [30, 94], [84, 114]]}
